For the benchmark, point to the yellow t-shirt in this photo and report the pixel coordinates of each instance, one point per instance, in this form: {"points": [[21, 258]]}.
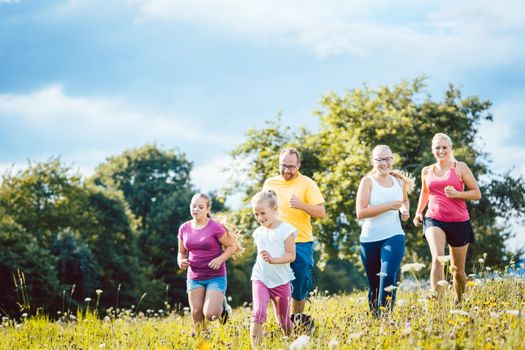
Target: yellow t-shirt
{"points": [[304, 188]]}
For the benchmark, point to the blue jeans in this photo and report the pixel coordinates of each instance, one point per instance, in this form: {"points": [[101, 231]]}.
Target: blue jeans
{"points": [[382, 257]]}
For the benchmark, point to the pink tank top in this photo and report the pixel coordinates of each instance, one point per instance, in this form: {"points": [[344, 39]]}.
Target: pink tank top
{"points": [[440, 207]]}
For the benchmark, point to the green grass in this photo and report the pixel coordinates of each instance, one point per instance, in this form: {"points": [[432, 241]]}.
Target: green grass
{"points": [[491, 317]]}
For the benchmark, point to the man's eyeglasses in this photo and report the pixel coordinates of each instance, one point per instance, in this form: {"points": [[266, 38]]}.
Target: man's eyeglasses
{"points": [[386, 159], [288, 166]]}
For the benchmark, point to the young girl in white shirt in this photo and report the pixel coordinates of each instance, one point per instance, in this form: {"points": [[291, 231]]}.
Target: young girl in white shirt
{"points": [[271, 276]]}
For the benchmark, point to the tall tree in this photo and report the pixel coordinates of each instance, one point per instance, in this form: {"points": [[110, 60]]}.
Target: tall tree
{"points": [[156, 185], [88, 233], [405, 117]]}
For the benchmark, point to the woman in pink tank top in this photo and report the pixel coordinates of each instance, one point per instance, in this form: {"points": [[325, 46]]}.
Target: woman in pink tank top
{"points": [[447, 220]]}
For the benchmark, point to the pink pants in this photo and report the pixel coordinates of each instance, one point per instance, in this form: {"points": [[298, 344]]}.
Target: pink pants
{"points": [[280, 295]]}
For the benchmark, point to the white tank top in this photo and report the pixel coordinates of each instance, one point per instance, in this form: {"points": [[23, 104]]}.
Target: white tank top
{"points": [[386, 224]]}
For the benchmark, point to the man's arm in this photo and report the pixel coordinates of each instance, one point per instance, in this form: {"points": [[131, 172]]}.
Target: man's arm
{"points": [[314, 210]]}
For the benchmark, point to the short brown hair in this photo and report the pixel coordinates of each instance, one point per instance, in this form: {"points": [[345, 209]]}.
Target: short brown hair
{"points": [[291, 150]]}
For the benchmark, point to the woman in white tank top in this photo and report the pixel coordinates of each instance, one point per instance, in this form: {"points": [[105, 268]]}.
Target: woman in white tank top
{"points": [[381, 199]]}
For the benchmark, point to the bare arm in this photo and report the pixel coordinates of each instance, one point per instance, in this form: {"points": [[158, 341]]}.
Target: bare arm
{"points": [[229, 248], [423, 199], [405, 207], [465, 174], [289, 253], [362, 204], [314, 210], [182, 256]]}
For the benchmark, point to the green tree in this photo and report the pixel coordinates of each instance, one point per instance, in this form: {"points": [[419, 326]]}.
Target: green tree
{"points": [[89, 233], [27, 276], [156, 185], [405, 117]]}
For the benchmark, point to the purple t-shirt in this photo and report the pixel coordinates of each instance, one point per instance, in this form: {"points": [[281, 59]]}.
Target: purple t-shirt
{"points": [[203, 246]]}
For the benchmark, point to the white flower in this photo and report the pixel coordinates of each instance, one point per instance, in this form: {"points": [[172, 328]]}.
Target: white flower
{"points": [[443, 259], [515, 313], [354, 336], [401, 302], [98, 291], [495, 314], [382, 274], [389, 289], [488, 268], [333, 343], [442, 283], [87, 300], [406, 330], [481, 260], [300, 342], [412, 267], [458, 312]]}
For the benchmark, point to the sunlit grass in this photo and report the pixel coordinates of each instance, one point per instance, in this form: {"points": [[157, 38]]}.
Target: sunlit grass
{"points": [[492, 316]]}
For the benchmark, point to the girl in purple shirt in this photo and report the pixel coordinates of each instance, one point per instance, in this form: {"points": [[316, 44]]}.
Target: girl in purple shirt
{"points": [[204, 246]]}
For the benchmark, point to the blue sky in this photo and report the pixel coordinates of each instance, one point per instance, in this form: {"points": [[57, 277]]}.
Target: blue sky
{"points": [[87, 79]]}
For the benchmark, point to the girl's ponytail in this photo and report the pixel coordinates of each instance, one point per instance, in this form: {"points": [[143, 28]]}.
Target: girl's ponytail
{"points": [[406, 178]]}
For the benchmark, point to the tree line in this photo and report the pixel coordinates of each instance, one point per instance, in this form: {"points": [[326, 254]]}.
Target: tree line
{"points": [[63, 236]]}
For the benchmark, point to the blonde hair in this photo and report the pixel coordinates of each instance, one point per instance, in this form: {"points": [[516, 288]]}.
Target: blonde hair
{"points": [[231, 229], [406, 178], [443, 136], [268, 196]]}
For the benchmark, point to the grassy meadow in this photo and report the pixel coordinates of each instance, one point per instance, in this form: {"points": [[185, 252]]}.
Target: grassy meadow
{"points": [[492, 316]]}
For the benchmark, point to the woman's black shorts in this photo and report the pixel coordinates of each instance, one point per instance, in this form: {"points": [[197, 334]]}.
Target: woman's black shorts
{"points": [[457, 233]]}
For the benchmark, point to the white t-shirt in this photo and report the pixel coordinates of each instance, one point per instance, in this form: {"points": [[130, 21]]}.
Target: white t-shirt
{"points": [[272, 240], [386, 224]]}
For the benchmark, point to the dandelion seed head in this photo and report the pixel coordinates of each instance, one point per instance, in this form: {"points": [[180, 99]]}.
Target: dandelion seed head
{"points": [[459, 312], [513, 312], [412, 267], [389, 289], [333, 343], [300, 342], [442, 283], [443, 259]]}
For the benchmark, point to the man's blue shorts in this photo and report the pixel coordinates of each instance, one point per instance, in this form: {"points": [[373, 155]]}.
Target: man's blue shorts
{"points": [[302, 269], [218, 283]]}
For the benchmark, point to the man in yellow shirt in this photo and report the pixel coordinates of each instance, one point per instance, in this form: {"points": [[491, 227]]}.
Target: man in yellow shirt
{"points": [[299, 200]]}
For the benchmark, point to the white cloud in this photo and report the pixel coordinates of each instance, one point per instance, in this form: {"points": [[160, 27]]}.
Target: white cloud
{"points": [[500, 138], [211, 176], [107, 121], [483, 33]]}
